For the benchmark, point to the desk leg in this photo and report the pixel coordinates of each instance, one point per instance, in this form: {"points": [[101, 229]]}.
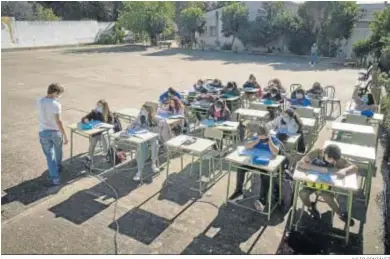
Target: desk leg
{"points": [[350, 195], [228, 183], [71, 144], [168, 162], [92, 155], [270, 192], [280, 185], [200, 174], [295, 199], [368, 182]]}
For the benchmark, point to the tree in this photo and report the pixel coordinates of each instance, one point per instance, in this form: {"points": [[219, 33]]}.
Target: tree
{"points": [[152, 18], [192, 20], [234, 17], [45, 14], [22, 10]]}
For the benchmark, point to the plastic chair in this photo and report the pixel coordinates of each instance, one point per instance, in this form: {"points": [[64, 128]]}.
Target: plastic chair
{"points": [[330, 92], [305, 112]]}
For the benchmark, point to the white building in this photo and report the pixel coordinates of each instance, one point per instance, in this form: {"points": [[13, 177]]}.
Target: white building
{"points": [[213, 27]]}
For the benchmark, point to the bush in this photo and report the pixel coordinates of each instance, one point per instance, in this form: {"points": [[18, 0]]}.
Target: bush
{"points": [[226, 46], [106, 39]]}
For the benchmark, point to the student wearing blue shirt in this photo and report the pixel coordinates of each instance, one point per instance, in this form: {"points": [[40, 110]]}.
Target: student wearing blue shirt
{"points": [[263, 141], [169, 94], [300, 99]]}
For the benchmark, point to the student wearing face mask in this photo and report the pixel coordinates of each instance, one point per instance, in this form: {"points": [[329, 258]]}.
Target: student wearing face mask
{"points": [[219, 111], [252, 83], [147, 120], [273, 95], [100, 113], [316, 91], [263, 141], [288, 123], [363, 102], [199, 85], [216, 83], [231, 90], [169, 94], [300, 99], [275, 83]]}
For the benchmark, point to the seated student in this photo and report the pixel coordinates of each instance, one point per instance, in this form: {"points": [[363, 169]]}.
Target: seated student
{"points": [[205, 96], [323, 161], [216, 83], [286, 124], [231, 89], [199, 85], [275, 83], [252, 83], [363, 102], [147, 120], [100, 113], [172, 107], [300, 99], [219, 111], [169, 94], [262, 141], [273, 95], [316, 91]]}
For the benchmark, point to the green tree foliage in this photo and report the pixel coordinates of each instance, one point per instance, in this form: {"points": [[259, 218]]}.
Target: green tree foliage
{"points": [[153, 18], [22, 11], [45, 14], [300, 36], [234, 18], [191, 20]]}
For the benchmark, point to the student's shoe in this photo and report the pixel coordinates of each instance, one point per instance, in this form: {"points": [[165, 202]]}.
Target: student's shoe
{"points": [[235, 195], [344, 217], [52, 183], [155, 169], [259, 205], [137, 176], [314, 213]]}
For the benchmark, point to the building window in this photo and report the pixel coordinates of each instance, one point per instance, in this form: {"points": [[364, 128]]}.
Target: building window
{"points": [[213, 31]]}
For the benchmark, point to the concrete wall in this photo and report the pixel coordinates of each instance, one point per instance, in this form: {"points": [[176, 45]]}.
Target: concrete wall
{"points": [[42, 33]]}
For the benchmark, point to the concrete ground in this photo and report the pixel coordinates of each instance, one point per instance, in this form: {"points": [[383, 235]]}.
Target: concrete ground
{"points": [[78, 218]]}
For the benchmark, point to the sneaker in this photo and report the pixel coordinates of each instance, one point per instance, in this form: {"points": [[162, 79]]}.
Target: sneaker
{"points": [[259, 205], [235, 195], [52, 183], [155, 169], [137, 176], [344, 217]]}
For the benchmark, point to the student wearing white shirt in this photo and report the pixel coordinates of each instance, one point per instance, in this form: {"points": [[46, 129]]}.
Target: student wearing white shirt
{"points": [[51, 131]]}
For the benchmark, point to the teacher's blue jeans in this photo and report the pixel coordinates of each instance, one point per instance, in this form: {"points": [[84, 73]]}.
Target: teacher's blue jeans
{"points": [[51, 142], [314, 58]]}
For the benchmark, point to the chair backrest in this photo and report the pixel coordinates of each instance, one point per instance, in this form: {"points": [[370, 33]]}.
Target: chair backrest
{"points": [[258, 106], [368, 140], [304, 112], [294, 87], [356, 119], [213, 133], [329, 91]]}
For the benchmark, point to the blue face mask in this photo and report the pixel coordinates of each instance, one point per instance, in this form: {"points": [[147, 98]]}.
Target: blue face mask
{"points": [[99, 109], [365, 99]]}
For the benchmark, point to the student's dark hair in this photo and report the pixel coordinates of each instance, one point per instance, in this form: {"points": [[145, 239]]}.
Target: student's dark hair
{"points": [[55, 88], [262, 130], [251, 76], [200, 81], [203, 90], [171, 90], [300, 91], [231, 84], [316, 85], [333, 152], [217, 81], [276, 82]]}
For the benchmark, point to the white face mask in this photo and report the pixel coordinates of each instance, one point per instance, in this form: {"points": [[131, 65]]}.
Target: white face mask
{"points": [[218, 109], [286, 118], [273, 95], [99, 109]]}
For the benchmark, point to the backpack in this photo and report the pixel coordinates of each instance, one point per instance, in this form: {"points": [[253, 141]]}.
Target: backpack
{"points": [[287, 190], [117, 124], [120, 156]]}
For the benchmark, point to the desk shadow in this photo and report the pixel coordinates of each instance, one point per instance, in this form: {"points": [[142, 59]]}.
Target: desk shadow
{"points": [[141, 225], [232, 226], [88, 203], [315, 236]]}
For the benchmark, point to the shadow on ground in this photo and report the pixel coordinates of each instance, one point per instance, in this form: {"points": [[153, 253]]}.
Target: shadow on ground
{"points": [[110, 49], [292, 63]]}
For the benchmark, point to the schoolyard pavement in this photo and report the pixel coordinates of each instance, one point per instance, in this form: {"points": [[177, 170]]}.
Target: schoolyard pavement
{"points": [[78, 218]]}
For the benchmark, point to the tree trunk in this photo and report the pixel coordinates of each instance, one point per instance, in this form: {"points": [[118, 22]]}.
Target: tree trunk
{"points": [[153, 39], [234, 38]]}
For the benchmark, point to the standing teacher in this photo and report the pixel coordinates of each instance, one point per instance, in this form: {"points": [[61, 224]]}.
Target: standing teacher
{"points": [[314, 54], [51, 131]]}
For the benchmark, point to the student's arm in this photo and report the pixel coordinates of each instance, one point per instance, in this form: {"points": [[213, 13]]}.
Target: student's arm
{"points": [[178, 95], [57, 114], [274, 147], [307, 102], [305, 162], [228, 114], [273, 125], [163, 95], [348, 168], [88, 117], [251, 144]]}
